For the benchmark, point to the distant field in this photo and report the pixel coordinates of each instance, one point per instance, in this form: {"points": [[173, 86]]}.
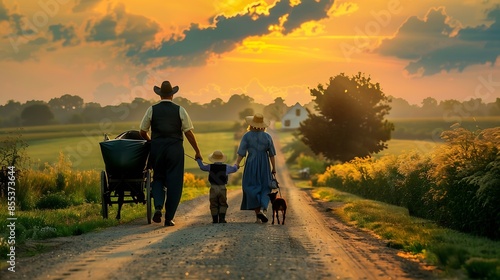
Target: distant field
{"points": [[400, 146], [395, 146], [98, 129], [81, 142], [431, 128]]}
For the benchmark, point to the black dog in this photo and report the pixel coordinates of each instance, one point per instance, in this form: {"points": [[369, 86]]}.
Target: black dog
{"points": [[279, 204]]}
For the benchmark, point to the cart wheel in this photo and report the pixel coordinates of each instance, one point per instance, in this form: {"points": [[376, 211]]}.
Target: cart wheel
{"points": [[148, 195], [104, 194]]}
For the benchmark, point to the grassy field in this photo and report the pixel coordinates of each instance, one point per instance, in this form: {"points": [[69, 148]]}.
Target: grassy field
{"points": [[431, 128], [81, 142]]}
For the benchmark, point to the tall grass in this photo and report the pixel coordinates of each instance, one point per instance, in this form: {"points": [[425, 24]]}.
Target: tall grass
{"points": [[455, 253], [42, 192], [455, 186], [59, 194]]}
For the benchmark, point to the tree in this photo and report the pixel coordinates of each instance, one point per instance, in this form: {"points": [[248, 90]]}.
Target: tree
{"points": [[430, 107], [66, 102], [245, 113], [13, 155], [350, 121], [37, 114], [276, 110], [13, 150]]}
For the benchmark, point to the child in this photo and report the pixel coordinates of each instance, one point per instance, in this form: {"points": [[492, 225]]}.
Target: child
{"points": [[217, 177]]}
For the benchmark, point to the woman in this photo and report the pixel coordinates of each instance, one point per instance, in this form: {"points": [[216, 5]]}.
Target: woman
{"points": [[257, 145]]}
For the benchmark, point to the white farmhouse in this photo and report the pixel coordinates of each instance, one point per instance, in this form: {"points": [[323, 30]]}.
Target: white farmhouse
{"points": [[293, 117]]}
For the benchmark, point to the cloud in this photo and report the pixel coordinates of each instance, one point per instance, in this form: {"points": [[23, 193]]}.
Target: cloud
{"points": [[21, 40], [434, 44], [85, 5], [487, 34], [66, 34], [103, 30], [4, 12], [26, 38], [125, 30], [198, 44]]}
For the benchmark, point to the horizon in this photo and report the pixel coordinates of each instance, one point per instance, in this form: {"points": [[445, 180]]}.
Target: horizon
{"points": [[419, 105], [112, 51]]}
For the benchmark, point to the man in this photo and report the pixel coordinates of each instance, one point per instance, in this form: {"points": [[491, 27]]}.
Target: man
{"points": [[168, 121]]}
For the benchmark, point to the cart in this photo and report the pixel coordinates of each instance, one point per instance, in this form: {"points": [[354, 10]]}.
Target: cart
{"points": [[127, 176]]}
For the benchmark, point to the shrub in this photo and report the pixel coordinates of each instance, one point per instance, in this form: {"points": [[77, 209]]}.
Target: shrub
{"points": [[92, 195], [456, 186], [450, 256], [53, 201], [191, 181], [478, 268]]}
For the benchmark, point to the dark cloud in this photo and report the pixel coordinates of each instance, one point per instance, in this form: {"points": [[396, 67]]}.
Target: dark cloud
{"points": [[20, 27], [135, 31], [66, 34], [433, 47], [4, 13], [24, 40], [103, 30], [199, 43], [85, 5], [456, 57], [488, 34], [312, 10]]}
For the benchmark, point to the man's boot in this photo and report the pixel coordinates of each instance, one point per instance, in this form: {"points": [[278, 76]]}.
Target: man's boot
{"points": [[222, 218], [215, 219]]}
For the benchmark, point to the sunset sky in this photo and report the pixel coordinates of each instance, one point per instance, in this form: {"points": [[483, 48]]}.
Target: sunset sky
{"points": [[111, 51]]}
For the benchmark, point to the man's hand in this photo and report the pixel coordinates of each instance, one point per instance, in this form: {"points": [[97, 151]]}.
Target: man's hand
{"points": [[198, 156]]}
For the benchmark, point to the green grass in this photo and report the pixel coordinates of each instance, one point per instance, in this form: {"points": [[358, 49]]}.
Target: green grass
{"points": [[76, 220], [454, 252], [430, 128], [400, 146], [81, 142]]}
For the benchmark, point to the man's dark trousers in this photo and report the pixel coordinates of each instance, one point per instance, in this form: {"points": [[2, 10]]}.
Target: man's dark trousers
{"points": [[168, 171]]}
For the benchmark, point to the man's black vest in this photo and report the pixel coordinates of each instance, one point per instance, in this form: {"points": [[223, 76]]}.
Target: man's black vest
{"points": [[166, 121], [217, 174]]}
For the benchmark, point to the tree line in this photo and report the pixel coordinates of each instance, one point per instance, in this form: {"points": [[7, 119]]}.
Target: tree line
{"points": [[71, 109]]}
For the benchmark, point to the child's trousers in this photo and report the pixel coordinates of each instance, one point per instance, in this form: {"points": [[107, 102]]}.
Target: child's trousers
{"points": [[218, 199]]}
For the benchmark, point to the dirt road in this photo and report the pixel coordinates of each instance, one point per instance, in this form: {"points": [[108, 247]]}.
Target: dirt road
{"points": [[312, 245]]}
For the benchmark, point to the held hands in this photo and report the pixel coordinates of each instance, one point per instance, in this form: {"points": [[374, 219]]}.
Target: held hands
{"points": [[198, 156]]}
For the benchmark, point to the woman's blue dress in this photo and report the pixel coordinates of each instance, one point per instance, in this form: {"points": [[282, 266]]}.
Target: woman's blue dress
{"points": [[257, 146]]}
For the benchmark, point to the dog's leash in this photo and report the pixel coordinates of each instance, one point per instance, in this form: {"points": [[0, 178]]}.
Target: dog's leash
{"points": [[277, 184]]}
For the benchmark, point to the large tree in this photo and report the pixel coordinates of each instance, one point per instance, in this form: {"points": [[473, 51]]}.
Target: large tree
{"points": [[350, 120], [37, 114]]}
